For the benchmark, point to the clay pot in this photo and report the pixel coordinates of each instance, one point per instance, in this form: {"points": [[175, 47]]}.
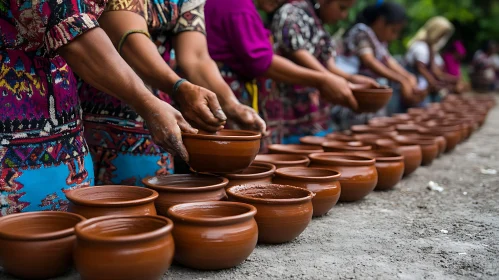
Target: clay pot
{"points": [[338, 136], [413, 156], [407, 128], [283, 212], [257, 174], [372, 100], [338, 146], [429, 146], [403, 117], [98, 201], [389, 165], [452, 134], [324, 183], [213, 235], [370, 139], [303, 150], [385, 121], [283, 160], [124, 247], [440, 140], [37, 245], [182, 188], [227, 151], [313, 140], [374, 129], [358, 174]]}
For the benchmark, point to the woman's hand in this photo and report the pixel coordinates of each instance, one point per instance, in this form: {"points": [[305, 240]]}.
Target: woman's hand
{"points": [[200, 107], [408, 93], [337, 91], [363, 80], [245, 117]]}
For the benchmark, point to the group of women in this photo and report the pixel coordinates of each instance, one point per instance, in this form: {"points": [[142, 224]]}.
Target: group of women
{"points": [[90, 96]]}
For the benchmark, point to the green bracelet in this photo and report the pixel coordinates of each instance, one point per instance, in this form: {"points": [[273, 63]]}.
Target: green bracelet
{"points": [[177, 84], [129, 32]]}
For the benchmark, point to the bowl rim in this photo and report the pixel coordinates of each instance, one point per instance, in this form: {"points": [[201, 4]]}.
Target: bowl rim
{"points": [[405, 139], [43, 236], [282, 172], [346, 146], [161, 188], [307, 148], [386, 155], [249, 136], [360, 161], [381, 90], [73, 197], [269, 171], [303, 159], [81, 234], [248, 199], [249, 214]]}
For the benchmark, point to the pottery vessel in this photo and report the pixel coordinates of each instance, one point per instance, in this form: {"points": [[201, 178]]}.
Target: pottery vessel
{"points": [[407, 128], [358, 174], [183, 188], [386, 121], [389, 165], [370, 138], [338, 146], [387, 130], [37, 245], [339, 136], [258, 173], [429, 146], [372, 100], [313, 140], [98, 201], [227, 151], [323, 182], [283, 212], [451, 133], [213, 235], [440, 140], [283, 160], [413, 156], [303, 150], [124, 247]]}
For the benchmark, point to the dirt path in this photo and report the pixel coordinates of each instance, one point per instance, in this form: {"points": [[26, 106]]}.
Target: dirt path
{"points": [[408, 233]]}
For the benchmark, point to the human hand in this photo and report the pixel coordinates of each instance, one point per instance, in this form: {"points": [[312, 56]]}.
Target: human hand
{"points": [[245, 117], [363, 80], [337, 91]]}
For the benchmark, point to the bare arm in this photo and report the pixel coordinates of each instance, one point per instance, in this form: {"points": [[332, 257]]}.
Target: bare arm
{"points": [[379, 68]]}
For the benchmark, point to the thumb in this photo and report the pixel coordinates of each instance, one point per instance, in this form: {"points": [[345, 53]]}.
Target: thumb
{"points": [[215, 107], [186, 127], [176, 144]]}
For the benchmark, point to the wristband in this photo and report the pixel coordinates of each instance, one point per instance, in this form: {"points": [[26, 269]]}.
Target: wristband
{"points": [[177, 85]]}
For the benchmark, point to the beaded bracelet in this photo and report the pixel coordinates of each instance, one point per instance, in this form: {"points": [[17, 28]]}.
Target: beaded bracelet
{"points": [[177, 84], [128, 33]]}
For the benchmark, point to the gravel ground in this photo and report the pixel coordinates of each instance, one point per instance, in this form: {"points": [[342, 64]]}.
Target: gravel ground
{"points": [[407, 233]]}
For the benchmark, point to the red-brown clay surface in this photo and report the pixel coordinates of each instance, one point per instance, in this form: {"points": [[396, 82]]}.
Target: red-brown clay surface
{"points": [[283, 160], [303, 150], [413, 156], [338, 146], [372, 100], [389, 165], [258, 173]]}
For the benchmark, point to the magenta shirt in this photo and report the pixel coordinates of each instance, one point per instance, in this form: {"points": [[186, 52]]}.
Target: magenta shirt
{"points": [[236, 37]]}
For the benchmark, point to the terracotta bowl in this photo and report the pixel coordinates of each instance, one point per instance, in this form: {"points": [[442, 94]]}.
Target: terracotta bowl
{"points": [[283, 160], [323, 182], [403, 117], [338, 146], [213, 235], [37, 245], [183, 188], [429, 146], [313, 140], [370, 138], [283, 212], [303, 150], [382, 130], [358, 174], [413, 156], [228, 151], [258, 173], [407, 128], [372, 100], [389, 165], [124, 247], [338, 136], [452, 134], [386, 121], [440, 140], [98, 201]]}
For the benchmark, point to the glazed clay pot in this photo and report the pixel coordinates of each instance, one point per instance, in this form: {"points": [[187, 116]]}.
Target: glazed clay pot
{"points": [[338, 136], [227, 151], [385, 121], [370, 139], [257, 174], [213, 235], [389, 165], [283, 212], [124, 247], [323, 182], [183, 188], [37, 245], [303, 150], [313, 140], [338, 146], [452, 134], [440, 140], [373, 99], [374, 129], [413, 156], [98, 201], [407, 128], [283, 160], [429, 146], [358, 174]]}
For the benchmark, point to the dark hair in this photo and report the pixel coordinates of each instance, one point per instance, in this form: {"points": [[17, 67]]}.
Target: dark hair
{"points": [[488, 45], [393, 13]]}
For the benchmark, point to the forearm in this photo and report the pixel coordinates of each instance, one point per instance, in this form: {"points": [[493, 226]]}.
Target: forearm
{"points": [[331, 66], [283, 70], [380, 69], [425, 72], [395, 66]]}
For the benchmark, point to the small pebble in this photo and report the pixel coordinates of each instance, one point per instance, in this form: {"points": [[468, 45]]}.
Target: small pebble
{"points": [[444, 231]]}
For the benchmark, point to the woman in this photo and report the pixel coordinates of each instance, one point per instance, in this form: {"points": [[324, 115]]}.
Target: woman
{"points": [[423, 52], [483, 71], [298, 30], [452, 58], [144, 34], [242, 47], [43, 153]]}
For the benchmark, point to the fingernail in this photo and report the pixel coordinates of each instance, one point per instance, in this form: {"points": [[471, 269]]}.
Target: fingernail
{"points": [[221, 115]]}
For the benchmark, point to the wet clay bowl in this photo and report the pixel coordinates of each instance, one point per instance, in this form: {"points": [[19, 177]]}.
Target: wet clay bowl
{"points": [[183, 188], [323, 182], [213, 235], [124, 247], [389, 165], [338, 146], [283, 160], [258, 173], [313, 140], [358, 174], [99, 201], [282, 212], [295, 149], [387, 130], [429, 146], [227, 151], [372, 100], [338, 136], [37, 245], [413, 156]]}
